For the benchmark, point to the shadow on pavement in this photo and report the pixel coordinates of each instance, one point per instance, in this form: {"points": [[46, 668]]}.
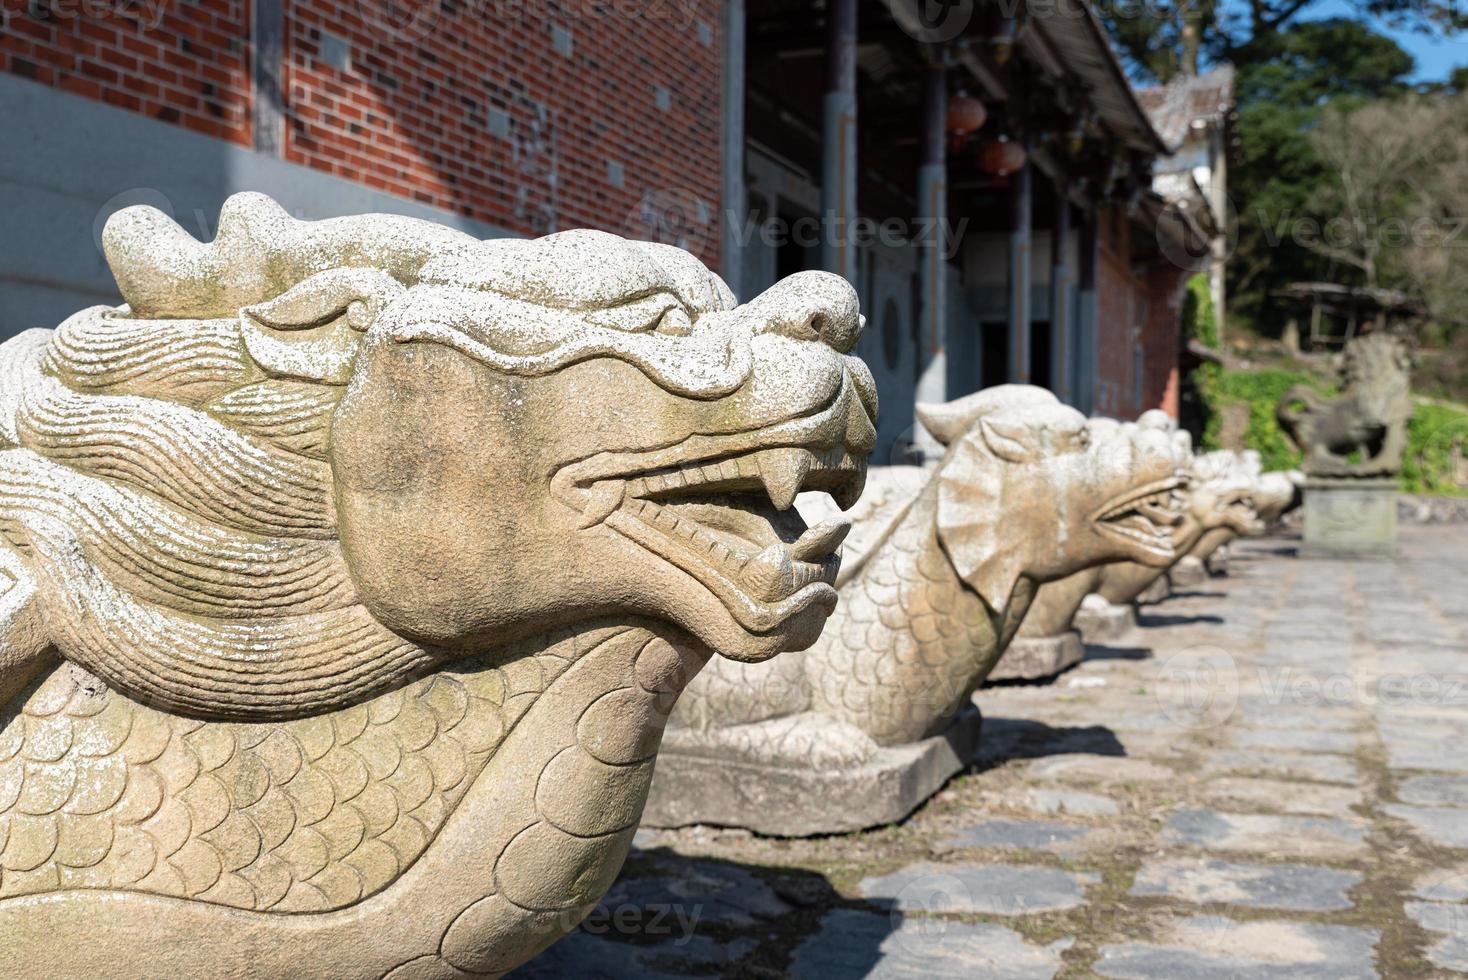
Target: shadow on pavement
{"points": [[1167, 619], [670, 916], [1102, 651], [1021, 738]]}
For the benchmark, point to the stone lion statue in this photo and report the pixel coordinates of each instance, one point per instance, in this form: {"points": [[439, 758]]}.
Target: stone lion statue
{"points": [[1363, 430], [948, 563], [351, 569]]}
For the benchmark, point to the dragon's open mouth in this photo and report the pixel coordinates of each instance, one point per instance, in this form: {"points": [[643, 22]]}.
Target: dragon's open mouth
{"points": [[1142, 520], [1242, 516], [729, 521]]}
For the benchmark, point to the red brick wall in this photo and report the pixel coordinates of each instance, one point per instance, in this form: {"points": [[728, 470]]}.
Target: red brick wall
{"points": [[188, 67], [1161, 336], [411, 113], [412, 116], [1139, 312], [1118, 301]]}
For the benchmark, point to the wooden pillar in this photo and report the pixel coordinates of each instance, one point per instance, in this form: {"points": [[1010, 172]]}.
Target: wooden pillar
{"points": [[1019, 272], [1062, 340], [838, 159], [267, 97], [733, 191], [932, 385], [1088, 328]]}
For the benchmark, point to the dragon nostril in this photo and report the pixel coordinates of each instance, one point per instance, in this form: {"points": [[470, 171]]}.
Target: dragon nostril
{"points": [[839, 331], [812, 306]]}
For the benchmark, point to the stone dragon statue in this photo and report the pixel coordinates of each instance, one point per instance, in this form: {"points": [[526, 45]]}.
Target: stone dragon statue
{"points": [[1220, 504], [949, 562], [1272, 495], [1046, 642], [1363, 430], [1212, 497], [351, 569]]}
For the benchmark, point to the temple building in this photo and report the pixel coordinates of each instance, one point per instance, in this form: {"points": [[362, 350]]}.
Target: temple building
{"points": [[984, 173]]}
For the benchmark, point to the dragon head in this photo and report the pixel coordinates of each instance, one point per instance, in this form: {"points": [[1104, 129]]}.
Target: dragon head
{"points": [[308, 460], [653, 470], [1030, 487], [1222, 493], [1278, 493]]}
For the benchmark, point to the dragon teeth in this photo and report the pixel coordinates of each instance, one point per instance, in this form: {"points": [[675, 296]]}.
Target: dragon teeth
{"points": [[783, 471]]}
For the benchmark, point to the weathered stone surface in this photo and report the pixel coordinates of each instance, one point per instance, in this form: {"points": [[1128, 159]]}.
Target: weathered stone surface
{"points": [[1159, 590], [1350, 518], [1188, 573], [1294, 887], [1440, 825], [927, 609], [1036, 657], [1101, 622], [795, 800], [1296, 740], [1214, 948], [1033, 835], [1450, 950], [681, 894], [1443, 885], [989, 889], [1078, 768], [589, 956], [1410, 750], [852, 943], [1272, 795], [1255, 833], [1434, 791], [1321, 714], [1320, 767], [366, 592], [1072, 802]]}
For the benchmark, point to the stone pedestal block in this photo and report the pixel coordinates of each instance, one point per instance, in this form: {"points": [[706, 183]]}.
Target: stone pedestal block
{"points": [[1189, 573], [1103, 622], [1031, 658], [1350, 518], [793, 798], [1159, 591]]}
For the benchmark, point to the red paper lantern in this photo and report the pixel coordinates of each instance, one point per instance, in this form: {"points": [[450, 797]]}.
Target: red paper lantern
{"points": [[966, 114], [1001, 157]]}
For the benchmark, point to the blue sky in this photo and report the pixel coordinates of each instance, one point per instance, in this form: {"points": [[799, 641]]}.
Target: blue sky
{"points": [[1435, 57]]}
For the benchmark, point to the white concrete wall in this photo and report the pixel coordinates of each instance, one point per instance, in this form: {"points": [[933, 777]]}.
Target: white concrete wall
{"points": [[67, 163]]}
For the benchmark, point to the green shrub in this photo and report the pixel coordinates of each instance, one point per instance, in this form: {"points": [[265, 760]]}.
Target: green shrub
{"points": [[1436, 431], [1261, 391], [1200, 322]]}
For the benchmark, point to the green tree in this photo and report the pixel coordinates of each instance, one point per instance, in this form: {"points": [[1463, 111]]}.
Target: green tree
{"points": [[1276, 175], [1163, 38]]}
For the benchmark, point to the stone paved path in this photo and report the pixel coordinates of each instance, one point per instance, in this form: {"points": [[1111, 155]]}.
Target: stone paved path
{"points": [[1268, 779]]}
